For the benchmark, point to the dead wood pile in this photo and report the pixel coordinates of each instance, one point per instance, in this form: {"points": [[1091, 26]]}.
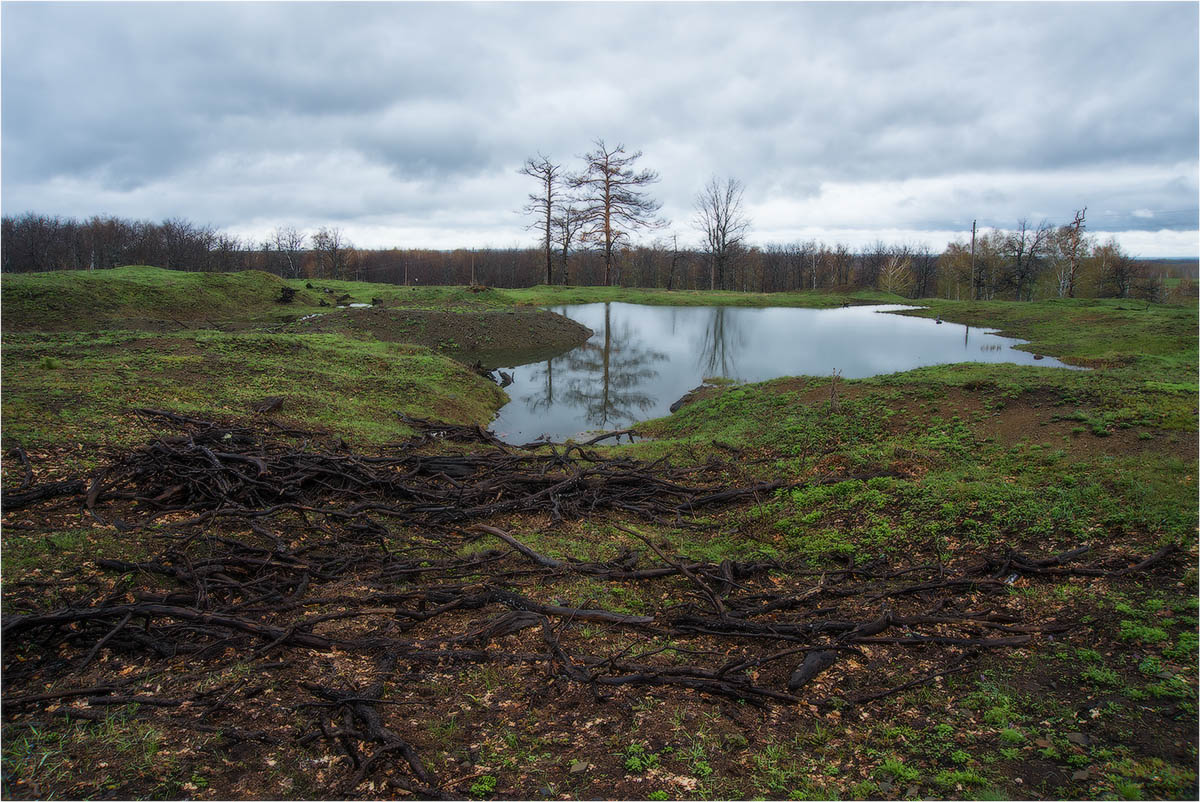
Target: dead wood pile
{"points": [[357, 575]]}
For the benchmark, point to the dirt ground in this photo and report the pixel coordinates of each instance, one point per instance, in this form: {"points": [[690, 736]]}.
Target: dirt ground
{"points": [[330, 657], [490, 336]]}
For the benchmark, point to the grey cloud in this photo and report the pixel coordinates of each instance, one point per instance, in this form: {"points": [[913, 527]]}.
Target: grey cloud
{"points": [[424, 99], [157, 86]]}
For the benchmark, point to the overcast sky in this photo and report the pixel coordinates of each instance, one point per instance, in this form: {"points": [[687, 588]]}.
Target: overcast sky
{"points": [[404, 124]]}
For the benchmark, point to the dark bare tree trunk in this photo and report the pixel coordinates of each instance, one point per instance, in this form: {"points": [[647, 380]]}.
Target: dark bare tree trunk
{"points": [[674, 262], [567, 223], [1074, 245], [543, 203], [1026, 250], [723, 224], [613, 200]]}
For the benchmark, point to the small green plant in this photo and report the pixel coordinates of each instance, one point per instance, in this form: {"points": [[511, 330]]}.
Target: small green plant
{"points": [[1011, 736], [896, 771], [1100, 676], [963, 777], [998, 715], [1185, 648], [658, 795], [773, 768], [738, 741], [1173, 688], [1150, 665], [1141, 633], [443, 729], [484, 786], [1127, 789], [49, 363], [638, 759], [863, 790]]}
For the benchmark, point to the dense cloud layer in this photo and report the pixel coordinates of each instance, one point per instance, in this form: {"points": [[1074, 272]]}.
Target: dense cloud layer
{"points": [[405, 123]]}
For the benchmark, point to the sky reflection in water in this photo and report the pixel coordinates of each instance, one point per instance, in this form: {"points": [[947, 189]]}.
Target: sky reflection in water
{"points": [[641, 359]]}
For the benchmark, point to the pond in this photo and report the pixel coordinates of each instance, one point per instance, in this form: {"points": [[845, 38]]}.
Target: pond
{"points": [[641, 359]]}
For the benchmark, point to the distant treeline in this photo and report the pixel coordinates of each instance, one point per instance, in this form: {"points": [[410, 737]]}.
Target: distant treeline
{"points": [[1025, 263]]}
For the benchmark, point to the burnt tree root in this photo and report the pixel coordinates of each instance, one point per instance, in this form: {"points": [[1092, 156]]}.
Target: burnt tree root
{"points": [[298, 593]]}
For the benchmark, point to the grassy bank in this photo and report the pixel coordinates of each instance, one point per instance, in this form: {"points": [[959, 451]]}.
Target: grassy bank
{"points": [[928, 473], [81, 387], [1129, 338], [136, 297]]}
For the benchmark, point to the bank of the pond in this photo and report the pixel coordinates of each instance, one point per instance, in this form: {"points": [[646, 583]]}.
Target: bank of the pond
{"points": [[81, 388], [141, 297], [487, 335]]}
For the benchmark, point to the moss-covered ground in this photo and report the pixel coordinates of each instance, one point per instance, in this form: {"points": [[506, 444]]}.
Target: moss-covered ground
{"points": [[971, 460]]}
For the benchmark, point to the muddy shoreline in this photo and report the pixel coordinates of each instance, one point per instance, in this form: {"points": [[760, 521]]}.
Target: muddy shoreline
{"points": [[494, 337]]}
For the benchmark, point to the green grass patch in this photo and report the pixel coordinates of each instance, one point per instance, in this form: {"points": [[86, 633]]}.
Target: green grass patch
{"points": [[95, 299], [353, 387]]}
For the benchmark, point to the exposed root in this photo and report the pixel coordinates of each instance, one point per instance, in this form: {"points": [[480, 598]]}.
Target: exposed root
{"points": [[270, 548]]}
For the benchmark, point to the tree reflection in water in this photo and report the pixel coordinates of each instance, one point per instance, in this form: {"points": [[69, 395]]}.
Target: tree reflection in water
{"points": [[603, 377], [543, 401], [642, 358], [722, 340]]}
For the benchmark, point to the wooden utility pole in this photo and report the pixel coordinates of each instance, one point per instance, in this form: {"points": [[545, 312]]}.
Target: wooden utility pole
{"points": [[974, 293]]}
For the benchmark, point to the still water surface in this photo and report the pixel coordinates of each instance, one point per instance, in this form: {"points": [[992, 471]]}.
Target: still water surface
{"points": [[641, 359]]}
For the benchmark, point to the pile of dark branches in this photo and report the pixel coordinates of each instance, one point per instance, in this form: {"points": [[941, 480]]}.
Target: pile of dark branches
{"points": [[358, 575], [213, 471]]}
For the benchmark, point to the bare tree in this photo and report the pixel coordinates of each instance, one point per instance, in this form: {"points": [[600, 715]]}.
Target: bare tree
{"points": [[542, 203], [288, 244], [227, 253], [774, 262], [871, 264], [646, 263], [721, 221], [987, 263], [807, 256], [839, 260], [1025, 250], [674, 262], [612, 198], [1070, 247], [565, 228], [185, 244], [924, 271], [108, 240], [331, 251], [1117, 273], [896, 275], [954, 265]]}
